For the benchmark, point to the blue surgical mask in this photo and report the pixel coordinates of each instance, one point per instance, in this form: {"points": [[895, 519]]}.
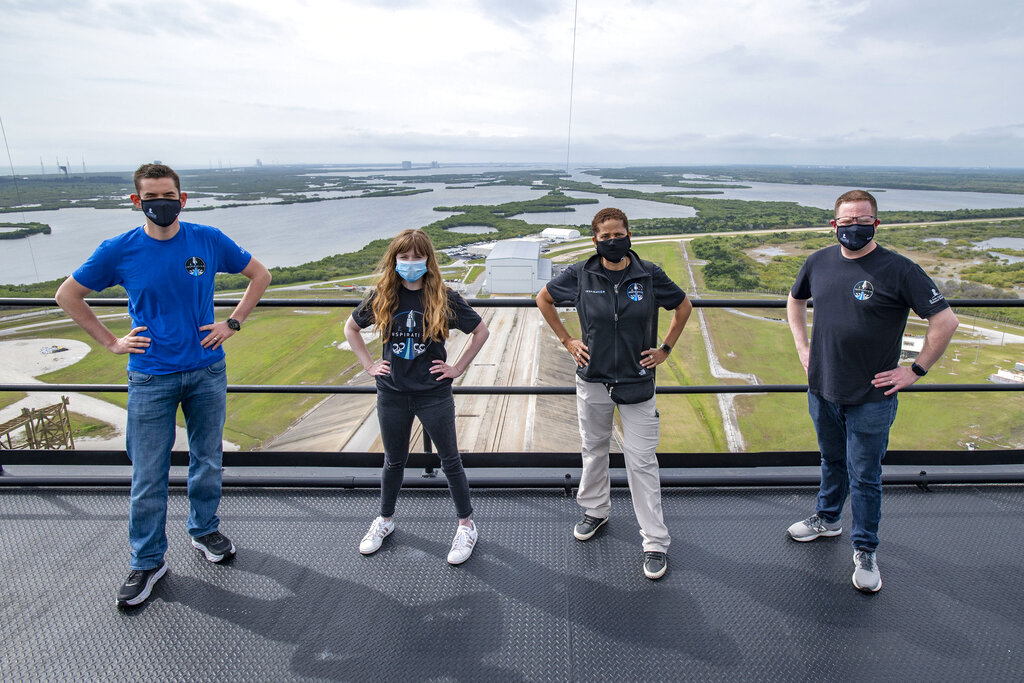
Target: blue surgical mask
{"points": [[411, 271], [855, 237], [163, 212]]}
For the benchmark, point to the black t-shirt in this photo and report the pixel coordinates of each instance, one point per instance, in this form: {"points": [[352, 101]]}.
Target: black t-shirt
{"points": [[410, 355], [860, 313]]}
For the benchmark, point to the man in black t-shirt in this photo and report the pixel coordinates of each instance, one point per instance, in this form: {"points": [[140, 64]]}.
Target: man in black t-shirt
{"points": [[862, 296]]}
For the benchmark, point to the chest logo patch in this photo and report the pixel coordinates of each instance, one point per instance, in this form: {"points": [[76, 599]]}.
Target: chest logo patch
{"points": [[407, 335], [635, 291], [863, 290], [195, 266]]}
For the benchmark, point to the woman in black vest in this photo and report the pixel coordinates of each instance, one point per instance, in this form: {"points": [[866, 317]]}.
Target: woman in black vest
{"points": [[616, 296]]}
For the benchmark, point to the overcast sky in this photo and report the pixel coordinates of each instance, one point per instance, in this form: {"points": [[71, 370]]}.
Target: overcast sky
{"points": [[890, 82]]}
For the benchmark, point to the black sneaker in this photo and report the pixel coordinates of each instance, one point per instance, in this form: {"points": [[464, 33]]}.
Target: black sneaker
{"points": [[588, 527], [139, 585], [655, 564], [215, 545]]}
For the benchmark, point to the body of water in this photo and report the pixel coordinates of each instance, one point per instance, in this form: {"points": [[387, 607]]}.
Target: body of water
{"points": [[291, 234]]}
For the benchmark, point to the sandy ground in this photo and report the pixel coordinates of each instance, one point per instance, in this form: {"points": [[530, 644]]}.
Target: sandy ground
{"points": [[22, 361]]}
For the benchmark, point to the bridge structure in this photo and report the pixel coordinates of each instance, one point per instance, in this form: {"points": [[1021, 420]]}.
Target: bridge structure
{"points": [[740, 602]]}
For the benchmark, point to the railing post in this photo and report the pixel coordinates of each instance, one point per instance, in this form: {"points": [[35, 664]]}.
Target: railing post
{"points": [[428, 472]]}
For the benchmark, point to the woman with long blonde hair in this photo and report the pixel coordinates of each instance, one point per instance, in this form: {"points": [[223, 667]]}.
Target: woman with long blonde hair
{"points": [[412, 310]]}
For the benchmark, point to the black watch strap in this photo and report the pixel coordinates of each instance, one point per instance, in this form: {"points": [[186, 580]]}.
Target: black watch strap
{"points": [[234, 324], [666, 348], [918, 370]]}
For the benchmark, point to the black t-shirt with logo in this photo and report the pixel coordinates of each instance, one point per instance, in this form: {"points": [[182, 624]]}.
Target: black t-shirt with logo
{"points": [[860, 312], [410, 355]]}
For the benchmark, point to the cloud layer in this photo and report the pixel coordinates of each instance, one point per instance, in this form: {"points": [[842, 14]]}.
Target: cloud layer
{"points": [[906, 82]]}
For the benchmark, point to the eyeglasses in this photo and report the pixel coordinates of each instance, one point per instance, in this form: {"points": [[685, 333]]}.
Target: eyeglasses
{"points": [[847, 221]]}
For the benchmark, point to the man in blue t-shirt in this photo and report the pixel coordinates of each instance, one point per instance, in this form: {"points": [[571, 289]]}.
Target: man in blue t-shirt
{"points": [[862, 296], [175, 358]]}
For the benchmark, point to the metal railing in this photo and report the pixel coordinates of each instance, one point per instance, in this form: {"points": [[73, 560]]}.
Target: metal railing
{"points": [[695, 464]]}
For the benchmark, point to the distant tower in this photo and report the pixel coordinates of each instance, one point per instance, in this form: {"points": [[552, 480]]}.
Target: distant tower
{"points": [[61, 169], [259, 164], [42, 170], [83, 165]]}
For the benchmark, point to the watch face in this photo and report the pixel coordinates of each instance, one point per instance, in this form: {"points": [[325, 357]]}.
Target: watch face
{"points": [[234, 324]]}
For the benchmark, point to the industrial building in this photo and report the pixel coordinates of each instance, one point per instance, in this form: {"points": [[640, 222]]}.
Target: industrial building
{"points": [[516, 267]]}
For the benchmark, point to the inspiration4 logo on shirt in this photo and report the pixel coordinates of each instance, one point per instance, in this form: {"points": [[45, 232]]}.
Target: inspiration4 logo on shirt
{"points": [[863, 290], [195, 266], [407, 335]]}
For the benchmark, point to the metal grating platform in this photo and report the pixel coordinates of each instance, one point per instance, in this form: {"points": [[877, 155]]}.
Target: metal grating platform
{"points": [[740, 601]]}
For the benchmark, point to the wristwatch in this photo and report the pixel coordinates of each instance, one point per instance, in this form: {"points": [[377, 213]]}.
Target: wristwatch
{"points": [[234, 324], [666, 348], [918, 370]]}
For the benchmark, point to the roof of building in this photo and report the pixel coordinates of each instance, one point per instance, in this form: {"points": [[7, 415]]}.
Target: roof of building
{"points": [[566, 233], [515, 249]]}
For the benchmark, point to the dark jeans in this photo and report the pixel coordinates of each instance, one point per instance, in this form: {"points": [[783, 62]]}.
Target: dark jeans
{"points": [[853, 440], [436, 412]]}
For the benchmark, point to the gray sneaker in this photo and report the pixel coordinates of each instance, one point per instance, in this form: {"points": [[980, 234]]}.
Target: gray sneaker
{"points": [[812, 528], [866, 576], [655, 564], [587, 527]]}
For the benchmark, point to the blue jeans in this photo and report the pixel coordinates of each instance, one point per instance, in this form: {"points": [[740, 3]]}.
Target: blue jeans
{"points": [[152, 405], [436, 412], [853, 440]]}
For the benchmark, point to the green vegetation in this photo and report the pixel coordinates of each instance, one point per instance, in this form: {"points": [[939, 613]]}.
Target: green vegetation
{"points": [[904, 178], [690, 422], [10, 397], [277, 346], [85, 426], [14, 231], [366, 259]]}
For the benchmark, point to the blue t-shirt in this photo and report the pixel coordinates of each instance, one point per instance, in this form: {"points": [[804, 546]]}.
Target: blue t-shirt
{"points": [[170, 290]]}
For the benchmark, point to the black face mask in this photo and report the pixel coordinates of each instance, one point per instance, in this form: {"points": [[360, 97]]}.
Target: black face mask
{"points": [[855, 237], [614, 249], [163, 212]]}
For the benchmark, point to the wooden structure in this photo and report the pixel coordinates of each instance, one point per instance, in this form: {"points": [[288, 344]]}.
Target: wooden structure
{"points": [[48, 428]]}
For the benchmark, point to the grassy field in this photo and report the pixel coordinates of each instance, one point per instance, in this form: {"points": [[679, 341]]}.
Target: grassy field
{"points": [[763, 345], [286, 346], [276, 346], [925, 421], [690, 422]]}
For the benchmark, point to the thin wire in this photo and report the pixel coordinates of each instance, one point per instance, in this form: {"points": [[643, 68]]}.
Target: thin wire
{"points": [[17, 192], [572, 79]]}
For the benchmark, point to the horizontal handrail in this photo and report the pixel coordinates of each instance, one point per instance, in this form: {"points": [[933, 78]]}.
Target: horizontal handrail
{"points": [[507, 390], [520, 302], [519, 459]]}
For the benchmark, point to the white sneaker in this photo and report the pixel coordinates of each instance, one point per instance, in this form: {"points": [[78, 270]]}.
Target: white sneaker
{"points": [[813, 527], [462, 544], [375, 536], [866, 576]]}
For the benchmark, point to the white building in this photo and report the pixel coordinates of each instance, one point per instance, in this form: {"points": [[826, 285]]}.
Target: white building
{"points": [[516, 267], [560, 234]]}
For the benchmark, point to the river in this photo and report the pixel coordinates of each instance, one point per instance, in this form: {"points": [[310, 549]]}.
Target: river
{"points": [[290, 234]]}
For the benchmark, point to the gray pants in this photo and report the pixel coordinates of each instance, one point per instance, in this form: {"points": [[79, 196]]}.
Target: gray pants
{"points": [[640, 428]]}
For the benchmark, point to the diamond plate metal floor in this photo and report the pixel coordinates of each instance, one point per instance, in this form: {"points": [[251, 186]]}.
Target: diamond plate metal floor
{"points": [[740, 601]]}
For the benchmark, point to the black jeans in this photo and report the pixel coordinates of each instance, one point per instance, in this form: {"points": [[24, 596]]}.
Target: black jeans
{"points": [[436, 412]]}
